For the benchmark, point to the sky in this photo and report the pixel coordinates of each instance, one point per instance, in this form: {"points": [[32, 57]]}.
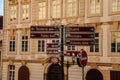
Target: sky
{"points": [[1, 7]]}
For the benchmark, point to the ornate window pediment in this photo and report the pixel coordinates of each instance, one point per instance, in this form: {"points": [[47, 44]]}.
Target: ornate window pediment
{"points": [[13, 2]]}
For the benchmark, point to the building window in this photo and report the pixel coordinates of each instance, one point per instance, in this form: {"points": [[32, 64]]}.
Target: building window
{"points": [[12, 44], [71, 8], [55, 41], [115, 5], [13, 13], [0, 43], [11, 72], [42, 10], [41, 45], [24, 43], [70, 47], [115, 41], [56, 8], [25, 11], [94, 6], [95, 48]]}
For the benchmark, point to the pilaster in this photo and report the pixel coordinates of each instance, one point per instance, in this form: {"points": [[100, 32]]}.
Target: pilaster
{"points": [[105, 27]]}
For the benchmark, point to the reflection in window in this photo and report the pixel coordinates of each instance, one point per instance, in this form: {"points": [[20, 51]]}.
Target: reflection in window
{"points": [[71, 8], [56, 8], [13, 13], [25, 11], [42, 10], [115, 42], [95, 48], [94, 6], [115, 5]]}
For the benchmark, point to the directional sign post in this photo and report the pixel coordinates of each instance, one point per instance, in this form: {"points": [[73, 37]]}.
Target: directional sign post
{"points": [[50, 32], [80, 36]]}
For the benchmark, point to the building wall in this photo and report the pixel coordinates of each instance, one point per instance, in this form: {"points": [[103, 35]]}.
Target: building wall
{"points": [[1, 38], [38, 63]]}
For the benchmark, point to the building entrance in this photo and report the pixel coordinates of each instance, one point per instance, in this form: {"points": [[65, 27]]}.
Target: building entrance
{"points": [[23, 73], [94, 74], [54, 72], [114, 75]]}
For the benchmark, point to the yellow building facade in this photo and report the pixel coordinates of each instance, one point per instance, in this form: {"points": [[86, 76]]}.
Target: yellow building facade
{"points": [[26, 58]]}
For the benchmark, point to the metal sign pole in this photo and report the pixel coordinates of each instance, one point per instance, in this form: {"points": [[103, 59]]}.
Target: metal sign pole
{"points": [[82, 73], [62, 51]]}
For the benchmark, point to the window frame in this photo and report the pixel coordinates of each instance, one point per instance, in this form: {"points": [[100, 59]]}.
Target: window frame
{"points": [[29, 12], [26, 46], [94, 46], [71, 48], [77, 9], [12, 47], [60, 16], [46, 7], [116, 50], [11, 70], [94, 14], [16, 11], [41, 47], [110, 9]]}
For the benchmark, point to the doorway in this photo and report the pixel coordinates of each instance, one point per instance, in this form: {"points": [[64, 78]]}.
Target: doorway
{"points": [[54, 72], [23, 73], [94, 74]]}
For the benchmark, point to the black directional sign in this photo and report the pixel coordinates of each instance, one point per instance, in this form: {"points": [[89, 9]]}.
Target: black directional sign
{"points": [[52, 48], [44, 32], [79, 35]]}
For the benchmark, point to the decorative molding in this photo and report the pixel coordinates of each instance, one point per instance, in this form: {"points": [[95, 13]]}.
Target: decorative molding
{"points": [[13, 2], [25, 1], [115, 18], [23, 63], [72, 21], [41, 22], [10, 62]]}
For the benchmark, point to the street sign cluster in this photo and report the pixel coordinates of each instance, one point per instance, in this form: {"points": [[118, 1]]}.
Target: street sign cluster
{"points": [[79, 36], [75, 35]]}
